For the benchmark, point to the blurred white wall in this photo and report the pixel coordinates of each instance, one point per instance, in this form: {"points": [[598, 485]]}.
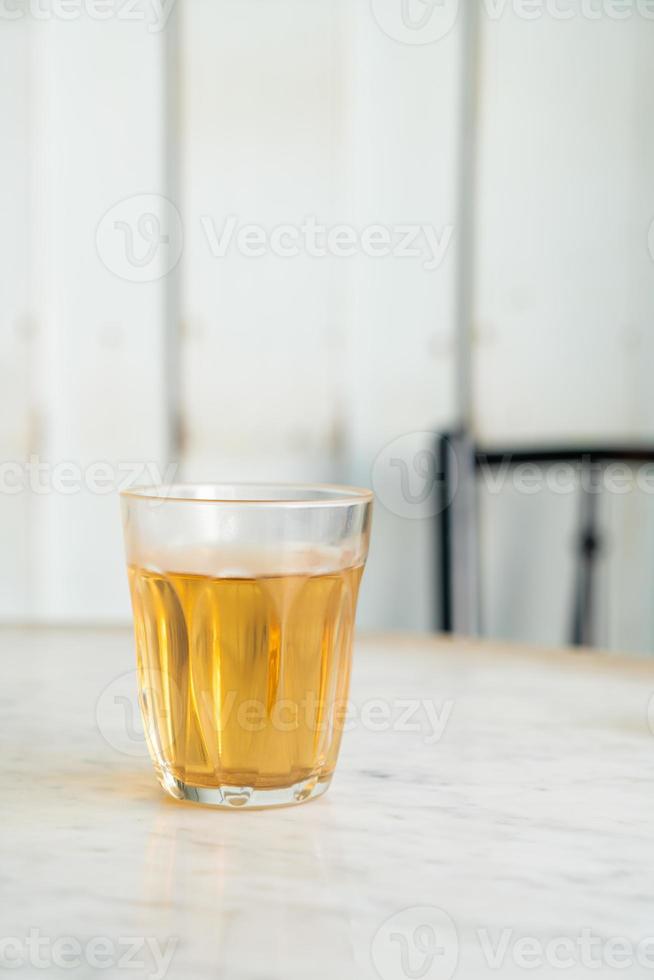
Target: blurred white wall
{"points": [[562, 336], [297, 368], [16, 324], [305, 367], [130, 144], [564, 301], [82, 129]]}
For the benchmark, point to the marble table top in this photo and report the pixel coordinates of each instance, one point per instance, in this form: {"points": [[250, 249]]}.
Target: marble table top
{"points": [[492, 815]]}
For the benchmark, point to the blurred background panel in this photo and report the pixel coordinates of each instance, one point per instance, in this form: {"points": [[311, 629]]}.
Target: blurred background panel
{"points": [[562, 342], [262, 142], [138, 334], [564, 301], [405, 126], [16, 326], [90, 134], [305, 367]]}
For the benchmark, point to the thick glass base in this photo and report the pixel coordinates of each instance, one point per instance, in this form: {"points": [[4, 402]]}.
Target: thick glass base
{"points": [[245, 797]]}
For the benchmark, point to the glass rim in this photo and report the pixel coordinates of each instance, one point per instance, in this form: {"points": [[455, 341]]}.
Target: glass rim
{"points": [[261, 494]]}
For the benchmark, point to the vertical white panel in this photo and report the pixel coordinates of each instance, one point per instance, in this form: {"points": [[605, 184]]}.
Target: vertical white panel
{"points": [[261, 134], [405, 103], [629, 552], [99, 141], [307, 367], [16, 325], [527, 563], [564, 300]]}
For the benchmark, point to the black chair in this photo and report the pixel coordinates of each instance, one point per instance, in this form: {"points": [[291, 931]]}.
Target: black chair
{"points": [[459, 462]]}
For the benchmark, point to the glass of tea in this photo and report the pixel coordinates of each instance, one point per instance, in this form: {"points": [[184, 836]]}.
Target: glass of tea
{"points": [[244, 598]]}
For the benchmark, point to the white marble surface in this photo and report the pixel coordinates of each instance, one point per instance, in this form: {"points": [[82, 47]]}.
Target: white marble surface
{"points": [[530, 820]]}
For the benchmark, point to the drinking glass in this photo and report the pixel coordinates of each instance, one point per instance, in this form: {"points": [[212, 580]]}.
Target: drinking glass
{"points": [[244, 598]]}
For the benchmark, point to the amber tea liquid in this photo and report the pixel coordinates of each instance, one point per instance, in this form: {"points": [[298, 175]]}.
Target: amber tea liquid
{"points": [[243, 680]]}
